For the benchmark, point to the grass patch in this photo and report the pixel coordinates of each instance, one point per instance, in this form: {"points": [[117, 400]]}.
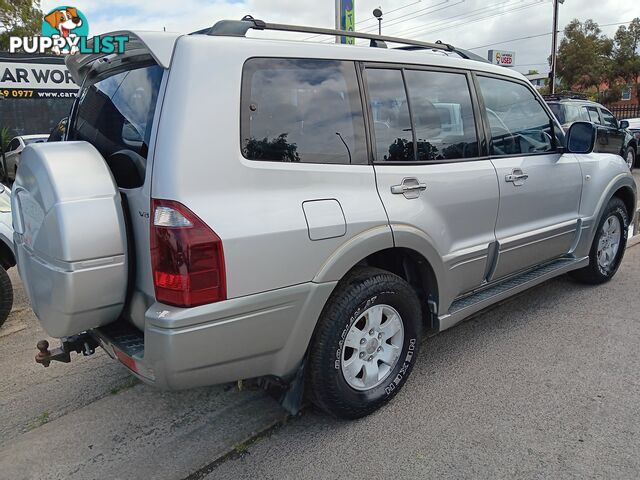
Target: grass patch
{"points": [[129, 383], [39, 421]]}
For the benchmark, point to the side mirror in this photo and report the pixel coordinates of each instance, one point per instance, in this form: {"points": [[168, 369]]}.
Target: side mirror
{"points": [[624, 124], [581, 137]]}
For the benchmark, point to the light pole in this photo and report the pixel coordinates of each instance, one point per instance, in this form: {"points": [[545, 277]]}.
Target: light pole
{"points": [[377, 12], [554, 45]]}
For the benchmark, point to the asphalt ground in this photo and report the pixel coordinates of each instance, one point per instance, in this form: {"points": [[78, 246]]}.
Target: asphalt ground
{"points": [[546, 385]]}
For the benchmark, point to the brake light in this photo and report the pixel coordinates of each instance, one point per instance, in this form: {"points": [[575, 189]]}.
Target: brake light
{"points": [[187, 259]]}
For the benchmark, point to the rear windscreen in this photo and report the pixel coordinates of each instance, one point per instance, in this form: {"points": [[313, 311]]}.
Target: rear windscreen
{"points": [[116, 113]]}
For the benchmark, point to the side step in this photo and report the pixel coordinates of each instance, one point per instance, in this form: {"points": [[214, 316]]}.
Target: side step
{"points": [[470, 304]]}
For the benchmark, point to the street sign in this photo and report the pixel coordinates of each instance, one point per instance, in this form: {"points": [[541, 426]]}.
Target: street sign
{"points": [[502, 57]]}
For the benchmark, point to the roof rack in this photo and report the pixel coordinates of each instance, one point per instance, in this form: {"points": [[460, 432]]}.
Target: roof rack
{"points": [[239, 28], [565, 96]]}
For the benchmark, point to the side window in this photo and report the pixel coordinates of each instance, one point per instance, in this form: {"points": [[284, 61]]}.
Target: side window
{"points": [[574, 113], [13, 145], [519, 124], [442, 115], [390, 110], [301, 110], [116, 112], [593, 115], [608, 119]]}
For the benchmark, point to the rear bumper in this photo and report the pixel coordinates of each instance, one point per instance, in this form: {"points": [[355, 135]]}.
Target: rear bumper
{"points": [[247, 337]]}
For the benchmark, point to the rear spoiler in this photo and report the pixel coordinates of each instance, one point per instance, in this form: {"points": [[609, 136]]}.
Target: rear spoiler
{"points": [[157, 44]]}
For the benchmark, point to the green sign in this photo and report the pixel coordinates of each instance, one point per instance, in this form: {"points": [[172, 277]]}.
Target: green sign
{"points": [[347, 20]]}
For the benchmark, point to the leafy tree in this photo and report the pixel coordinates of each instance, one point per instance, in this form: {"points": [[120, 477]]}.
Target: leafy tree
{"points": [[20, 18], [277, 149], [626, 57], [584, 56]]}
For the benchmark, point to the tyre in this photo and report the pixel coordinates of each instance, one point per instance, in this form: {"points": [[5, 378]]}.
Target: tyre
{"points": [[630, 157], [365, 344], [6, 295], [608, 245]]}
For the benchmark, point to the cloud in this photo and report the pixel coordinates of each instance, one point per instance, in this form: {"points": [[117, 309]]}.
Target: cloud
{"points": [[465, 23]]}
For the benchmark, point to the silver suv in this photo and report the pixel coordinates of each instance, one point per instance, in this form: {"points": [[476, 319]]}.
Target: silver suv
{"points": [[230, 208]]}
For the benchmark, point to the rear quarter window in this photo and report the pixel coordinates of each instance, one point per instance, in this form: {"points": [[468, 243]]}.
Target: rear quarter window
{"points": [[301, 110]]}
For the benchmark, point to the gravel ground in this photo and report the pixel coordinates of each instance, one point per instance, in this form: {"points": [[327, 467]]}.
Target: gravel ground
{"points": [[543, 386], [546, 385], [31, 395]]}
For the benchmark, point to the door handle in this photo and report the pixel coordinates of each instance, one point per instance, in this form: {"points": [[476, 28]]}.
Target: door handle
{"points": [[410, 188], [517, 177]]}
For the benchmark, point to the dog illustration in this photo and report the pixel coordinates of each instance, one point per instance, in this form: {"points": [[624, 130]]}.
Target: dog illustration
{"points": [[65, 21]]}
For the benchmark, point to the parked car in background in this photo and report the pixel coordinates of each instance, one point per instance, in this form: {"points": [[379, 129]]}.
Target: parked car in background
{"points": [[634, 127], [7, 257], [613, 136], [14, 151]]}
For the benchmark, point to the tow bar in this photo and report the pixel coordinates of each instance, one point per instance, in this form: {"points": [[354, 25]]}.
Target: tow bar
{"points": [[83, 343]]}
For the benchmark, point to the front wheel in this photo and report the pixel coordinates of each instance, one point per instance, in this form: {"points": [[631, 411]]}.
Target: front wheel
{"points": [[365, 344], [608, 245], [6, 295], [630, 157]]}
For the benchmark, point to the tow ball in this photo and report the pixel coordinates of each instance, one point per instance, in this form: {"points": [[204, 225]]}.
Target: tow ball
{"points": [[83, 343]]}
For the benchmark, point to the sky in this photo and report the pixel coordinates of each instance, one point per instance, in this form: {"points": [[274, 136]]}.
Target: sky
{"points": [[465, 23]]}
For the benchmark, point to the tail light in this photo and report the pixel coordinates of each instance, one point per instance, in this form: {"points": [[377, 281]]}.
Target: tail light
{"points": [[186, 257]]}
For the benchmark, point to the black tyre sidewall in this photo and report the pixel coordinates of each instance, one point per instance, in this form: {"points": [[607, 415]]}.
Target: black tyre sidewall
{"points": [[630, 149], [335, 395], [616, 207], [6, 295]]}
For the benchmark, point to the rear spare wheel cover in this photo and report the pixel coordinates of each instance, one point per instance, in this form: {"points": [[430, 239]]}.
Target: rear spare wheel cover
{"points": [[70, 237]]}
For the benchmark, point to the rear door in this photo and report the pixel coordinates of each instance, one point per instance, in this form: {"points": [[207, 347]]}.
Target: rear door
{"points": [[430, 173], [540, 187], [604, 142], [115, 112], [615, 136]]}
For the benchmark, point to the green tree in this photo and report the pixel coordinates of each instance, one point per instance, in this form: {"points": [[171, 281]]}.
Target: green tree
{"points": [[626, 57], [20, 18], [584, 56]]}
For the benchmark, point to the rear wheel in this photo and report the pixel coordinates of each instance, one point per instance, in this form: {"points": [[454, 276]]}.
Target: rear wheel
{"points": [[6, 295], [630, 157], [608, 245], [365, 344]]}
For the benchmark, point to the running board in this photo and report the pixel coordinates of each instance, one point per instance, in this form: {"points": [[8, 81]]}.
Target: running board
{"points": [[470, 304]]}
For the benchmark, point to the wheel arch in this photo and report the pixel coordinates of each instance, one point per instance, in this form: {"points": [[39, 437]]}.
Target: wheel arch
{"points": [[415, 269], [627, 195], [375, 248]]}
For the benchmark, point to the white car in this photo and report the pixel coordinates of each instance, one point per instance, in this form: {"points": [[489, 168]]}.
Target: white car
{"points": [[634, 126], [7, 258], [14, 150]]}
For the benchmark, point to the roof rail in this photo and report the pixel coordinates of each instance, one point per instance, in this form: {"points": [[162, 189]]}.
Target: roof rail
{"points": [[565, 96], [239, 28]]}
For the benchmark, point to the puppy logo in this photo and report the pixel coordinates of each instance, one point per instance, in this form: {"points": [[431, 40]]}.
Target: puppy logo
{"points": [[67, 23]]}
